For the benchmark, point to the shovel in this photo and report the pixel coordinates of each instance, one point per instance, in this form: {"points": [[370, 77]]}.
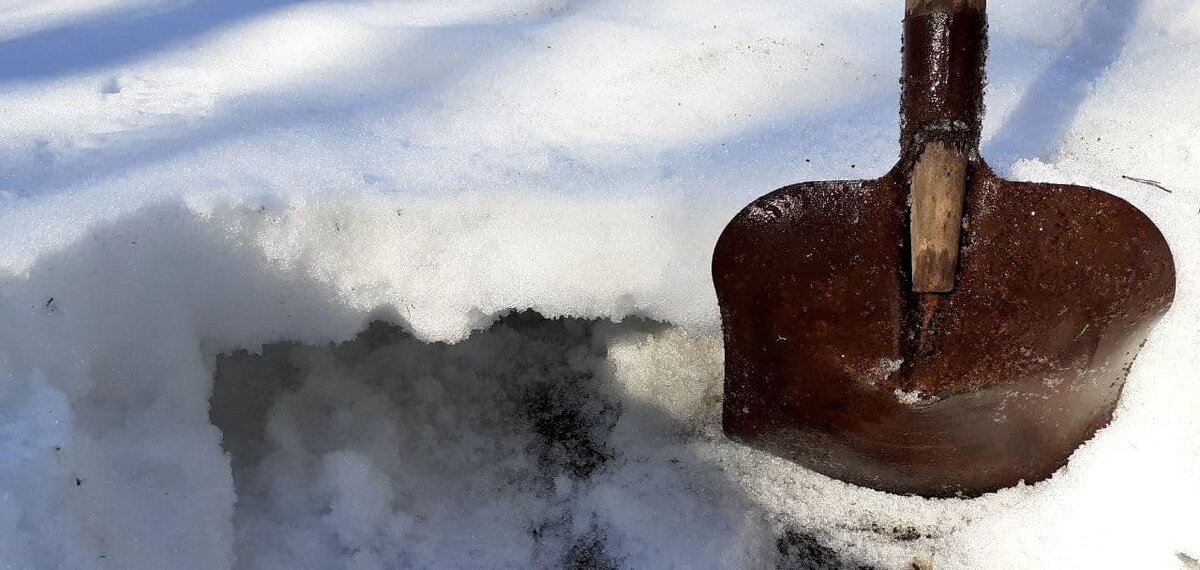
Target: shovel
{"points": [[937, 331]]}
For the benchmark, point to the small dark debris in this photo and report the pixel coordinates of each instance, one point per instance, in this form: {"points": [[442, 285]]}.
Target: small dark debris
{"points": [[802, 551], [588, 554], [896, 533], [570, 426], [907, 534], [78, 482]]}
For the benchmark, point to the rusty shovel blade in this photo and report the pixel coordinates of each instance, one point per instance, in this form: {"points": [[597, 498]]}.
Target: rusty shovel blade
{"points": [[833, 360]]}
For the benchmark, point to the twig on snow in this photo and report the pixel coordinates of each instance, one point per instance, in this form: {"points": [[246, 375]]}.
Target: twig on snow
{"points": [[1148, 182]]}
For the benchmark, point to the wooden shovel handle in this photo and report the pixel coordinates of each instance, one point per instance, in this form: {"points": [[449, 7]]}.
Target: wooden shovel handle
{"points": [[945, 72], [939, 181]]}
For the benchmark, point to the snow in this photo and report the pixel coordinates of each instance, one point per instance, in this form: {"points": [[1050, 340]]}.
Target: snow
{"points": [[205, 205]]}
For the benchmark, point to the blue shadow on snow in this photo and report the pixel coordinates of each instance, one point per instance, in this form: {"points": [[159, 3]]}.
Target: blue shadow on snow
{"points": [[119, 37], [1036, 127]]}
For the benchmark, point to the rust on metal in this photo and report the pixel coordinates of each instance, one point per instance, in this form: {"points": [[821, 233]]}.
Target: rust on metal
{"points": [[833, 361], [915, 7]]}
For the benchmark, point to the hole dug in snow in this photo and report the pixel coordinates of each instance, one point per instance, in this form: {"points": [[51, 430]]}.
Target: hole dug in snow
{"points": [[518, 447], [136, 435]]}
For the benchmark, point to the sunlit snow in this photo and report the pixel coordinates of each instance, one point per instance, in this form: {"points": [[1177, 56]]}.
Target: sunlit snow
{"points": [[373, 285]]}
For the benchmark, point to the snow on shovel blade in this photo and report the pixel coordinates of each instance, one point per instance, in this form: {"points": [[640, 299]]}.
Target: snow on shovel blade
{"points": [[839, 358]]}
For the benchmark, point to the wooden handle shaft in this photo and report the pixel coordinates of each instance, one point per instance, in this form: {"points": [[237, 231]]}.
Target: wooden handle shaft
{"points": [[941, 108], [939, 181]]}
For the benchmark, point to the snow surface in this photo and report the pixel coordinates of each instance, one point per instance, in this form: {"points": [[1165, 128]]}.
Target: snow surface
{"points": [[198, 198]]}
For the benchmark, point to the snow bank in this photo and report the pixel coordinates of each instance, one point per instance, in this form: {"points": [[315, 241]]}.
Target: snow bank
{"points": [[199, 229]]}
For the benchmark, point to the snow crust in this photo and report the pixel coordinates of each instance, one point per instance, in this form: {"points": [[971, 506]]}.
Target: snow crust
{"points": [[198, 227]]}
